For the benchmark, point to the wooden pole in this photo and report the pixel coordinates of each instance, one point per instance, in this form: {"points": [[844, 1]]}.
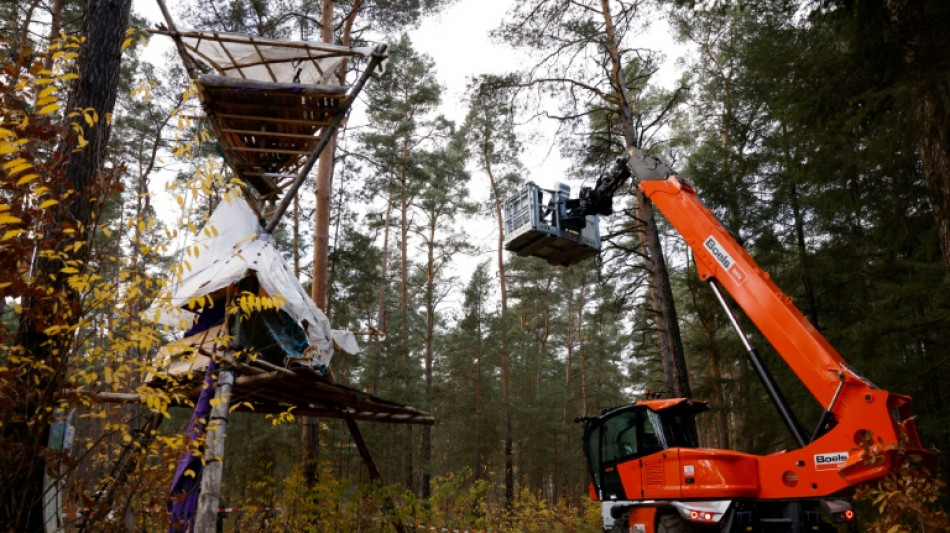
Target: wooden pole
{"points": [[210, 496], [388, 506]]}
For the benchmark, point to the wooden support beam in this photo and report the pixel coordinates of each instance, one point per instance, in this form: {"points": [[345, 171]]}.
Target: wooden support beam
{"points": [[268, 150], [277, 120], [330, 50], [374, 474], [270, 134], [267, 106]]}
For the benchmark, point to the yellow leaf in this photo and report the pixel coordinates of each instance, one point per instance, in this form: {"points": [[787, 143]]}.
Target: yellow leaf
{"points": [[7, 133], [6, 218], [46, 110], [11, 234], [26, 179], [69, 270], [7, 147], [20, 168], [16, 162], [126, 43], [48, 203]]}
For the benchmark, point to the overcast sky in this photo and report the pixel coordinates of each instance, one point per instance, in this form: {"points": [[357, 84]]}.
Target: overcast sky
{"points": [[458, 42]]}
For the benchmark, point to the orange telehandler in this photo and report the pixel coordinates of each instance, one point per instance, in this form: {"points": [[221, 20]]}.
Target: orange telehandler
{"points": [[644, 458]]}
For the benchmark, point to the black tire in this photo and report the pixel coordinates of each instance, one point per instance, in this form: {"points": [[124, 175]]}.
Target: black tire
{"points": [[672, 523]]}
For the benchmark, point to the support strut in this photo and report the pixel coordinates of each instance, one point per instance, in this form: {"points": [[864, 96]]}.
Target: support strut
{"points": [[771, 387]]}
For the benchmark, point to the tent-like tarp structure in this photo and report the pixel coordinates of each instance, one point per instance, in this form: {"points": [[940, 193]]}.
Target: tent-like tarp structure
{"points": [[230, 248]]}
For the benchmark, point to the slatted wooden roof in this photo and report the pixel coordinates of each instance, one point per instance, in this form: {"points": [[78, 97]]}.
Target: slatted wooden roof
{"points": [[267, 101]]}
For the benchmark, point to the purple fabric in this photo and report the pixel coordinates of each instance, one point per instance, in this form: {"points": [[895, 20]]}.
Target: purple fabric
{"points": [[183, 496], [209, 317]]}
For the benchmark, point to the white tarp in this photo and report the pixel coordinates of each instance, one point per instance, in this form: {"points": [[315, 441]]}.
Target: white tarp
{"points": [[240, 56], [230, 247]]}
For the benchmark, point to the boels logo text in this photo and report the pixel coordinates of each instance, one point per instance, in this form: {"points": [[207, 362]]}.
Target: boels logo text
{"points": [[830, 461], [724, 259]]}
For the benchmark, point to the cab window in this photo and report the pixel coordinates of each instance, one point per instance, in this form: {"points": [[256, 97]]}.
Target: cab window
{"points": [[627, 434]]}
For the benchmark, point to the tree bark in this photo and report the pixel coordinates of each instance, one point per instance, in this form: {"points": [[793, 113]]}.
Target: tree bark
{"points": [[932, 114], [310, 426], [78, 187], [661, 293], [505, 349], [429, 340]]}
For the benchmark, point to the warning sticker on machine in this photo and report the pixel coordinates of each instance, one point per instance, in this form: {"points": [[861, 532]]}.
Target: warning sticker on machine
{"points": [[830, 461], [724, 259]]}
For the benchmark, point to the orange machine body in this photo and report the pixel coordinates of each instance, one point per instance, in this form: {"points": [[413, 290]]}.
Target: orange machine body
{"points": [[867, 419], [645, 461]]}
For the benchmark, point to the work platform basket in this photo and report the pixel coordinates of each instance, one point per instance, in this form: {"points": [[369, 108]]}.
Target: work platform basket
{"points": [[533, 226]]}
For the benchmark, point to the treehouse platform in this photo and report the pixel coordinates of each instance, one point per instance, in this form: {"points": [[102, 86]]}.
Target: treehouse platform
{"points": [[271, 105]]}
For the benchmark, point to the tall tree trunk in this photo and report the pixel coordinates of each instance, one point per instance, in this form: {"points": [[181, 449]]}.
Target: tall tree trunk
{"points": [[216, 435], [430, 336], [923, 55], [407, 456], [479, 352], [799, 222], [310, 426], [582, 358], [505, 349], [384, 268], [23, 463], [661, 293], [931, 113]]}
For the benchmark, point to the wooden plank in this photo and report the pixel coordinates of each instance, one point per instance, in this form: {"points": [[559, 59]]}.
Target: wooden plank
{"points": [[272, 134], [257, 49], [330, 49], [233, 61], [269, 150], [257, 108], [277, 120]]}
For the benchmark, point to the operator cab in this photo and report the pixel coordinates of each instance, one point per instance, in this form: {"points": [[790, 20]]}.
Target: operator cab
{"points": [[633, 431]]}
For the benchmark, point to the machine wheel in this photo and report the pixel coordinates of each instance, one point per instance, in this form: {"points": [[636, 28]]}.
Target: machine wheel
{"points": [[672, 523]]}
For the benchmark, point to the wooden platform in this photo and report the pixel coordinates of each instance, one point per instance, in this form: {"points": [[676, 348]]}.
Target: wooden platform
{"points": [[266, 101], [261, 387], [272, 389], [267, 131]]}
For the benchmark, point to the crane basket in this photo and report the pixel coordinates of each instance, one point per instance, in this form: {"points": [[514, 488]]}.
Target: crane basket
{"points": [[533, 226]]}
